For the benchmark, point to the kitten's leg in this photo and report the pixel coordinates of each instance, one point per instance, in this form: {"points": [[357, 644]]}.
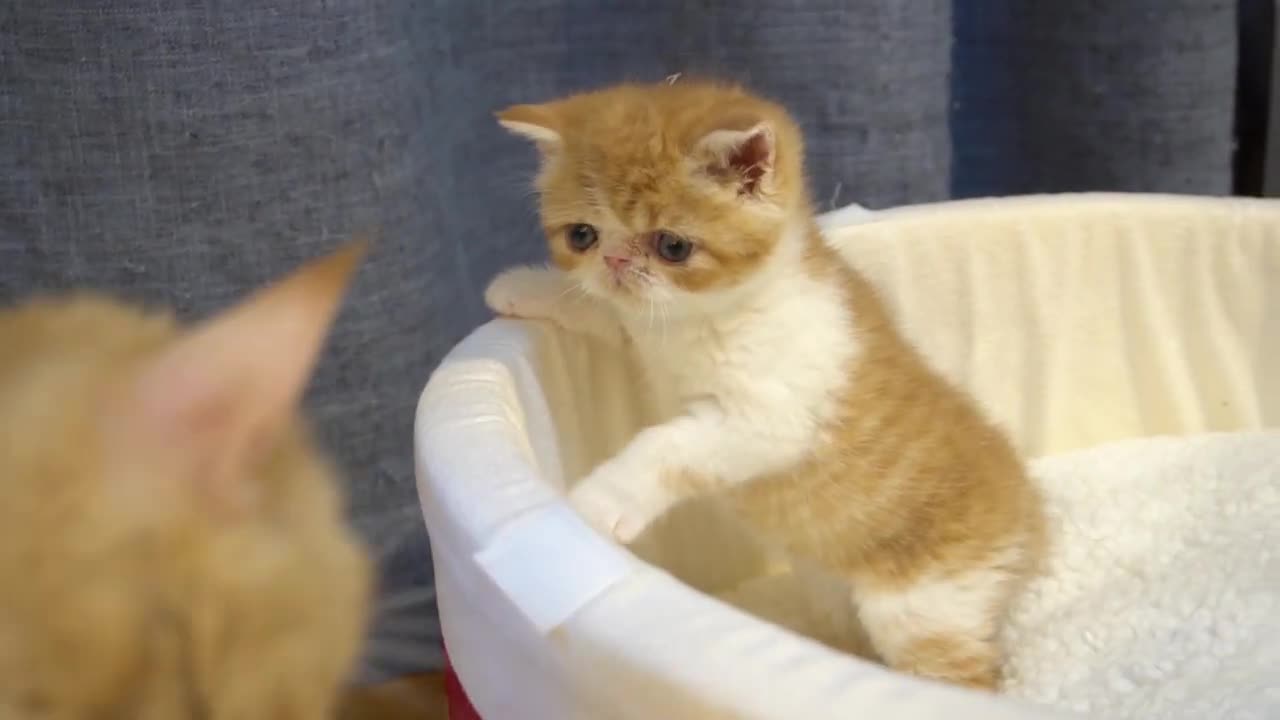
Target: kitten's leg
{"points": [[544, 293], [938, 624], [698, 452]]}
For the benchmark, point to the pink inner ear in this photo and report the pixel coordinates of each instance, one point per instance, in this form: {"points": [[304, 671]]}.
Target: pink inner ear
{"points": [[751, 159], [224, 391]]}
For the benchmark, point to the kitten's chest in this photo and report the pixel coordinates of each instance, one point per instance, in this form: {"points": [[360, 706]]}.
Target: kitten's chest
{"points": [[697, 362], [795, 351]]}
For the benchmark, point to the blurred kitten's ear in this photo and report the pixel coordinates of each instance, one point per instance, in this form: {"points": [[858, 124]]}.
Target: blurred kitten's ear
{"points": [[742, 154], [219, 396], [535, 122]]}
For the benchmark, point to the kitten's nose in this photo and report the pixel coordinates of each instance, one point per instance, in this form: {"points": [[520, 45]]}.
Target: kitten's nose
{"points": [[616, 263]]}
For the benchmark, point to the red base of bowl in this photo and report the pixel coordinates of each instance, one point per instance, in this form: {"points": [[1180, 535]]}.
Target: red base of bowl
{"points": [[459, 704]]}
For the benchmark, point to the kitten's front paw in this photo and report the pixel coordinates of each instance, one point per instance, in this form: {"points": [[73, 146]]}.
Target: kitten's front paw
{"points": [[607, 506], [526, 292]]}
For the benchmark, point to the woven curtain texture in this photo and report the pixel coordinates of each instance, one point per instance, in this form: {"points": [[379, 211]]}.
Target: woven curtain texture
{"points": [[187, 151], [1135, 95]]}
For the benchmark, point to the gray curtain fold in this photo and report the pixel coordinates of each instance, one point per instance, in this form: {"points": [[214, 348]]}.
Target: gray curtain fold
{"points": [[1271, 163], [187, 151], [1094, 95], [868, 82]]}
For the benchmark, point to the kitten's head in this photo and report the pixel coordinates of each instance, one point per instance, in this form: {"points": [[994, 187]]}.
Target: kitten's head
{"points": [[665, 193], [171, 544]]}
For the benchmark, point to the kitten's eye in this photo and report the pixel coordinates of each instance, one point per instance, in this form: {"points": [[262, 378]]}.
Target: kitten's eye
{"points": [[672, 247], [581, 237]]}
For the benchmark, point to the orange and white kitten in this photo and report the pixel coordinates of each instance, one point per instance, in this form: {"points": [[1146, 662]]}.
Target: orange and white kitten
{"points": [[802, 405], [172, 545]]}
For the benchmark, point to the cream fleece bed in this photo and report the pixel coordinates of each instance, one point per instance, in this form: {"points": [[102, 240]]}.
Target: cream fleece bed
{"points": [[1131, 346]]}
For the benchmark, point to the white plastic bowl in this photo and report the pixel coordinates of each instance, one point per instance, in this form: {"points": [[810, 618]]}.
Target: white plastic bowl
{"points": [[1075, 320]]}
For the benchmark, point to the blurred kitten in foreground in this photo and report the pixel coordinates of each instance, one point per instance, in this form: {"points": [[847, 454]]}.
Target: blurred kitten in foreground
{"points": [[174, 544]]}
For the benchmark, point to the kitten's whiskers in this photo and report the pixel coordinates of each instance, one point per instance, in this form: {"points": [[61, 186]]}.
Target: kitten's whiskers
{"points": [[663, 307], [576, 291]]}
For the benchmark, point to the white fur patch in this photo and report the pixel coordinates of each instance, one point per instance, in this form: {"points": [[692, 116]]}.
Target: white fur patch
{"points": [[967, 603], [546, 293], [765, 362]]}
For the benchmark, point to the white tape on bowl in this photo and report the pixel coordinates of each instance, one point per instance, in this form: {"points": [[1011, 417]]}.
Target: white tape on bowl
{"points": [[551, 564]]}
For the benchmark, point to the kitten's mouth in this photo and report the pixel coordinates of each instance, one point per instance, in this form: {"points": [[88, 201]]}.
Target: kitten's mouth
{"points": [[628, 278]]}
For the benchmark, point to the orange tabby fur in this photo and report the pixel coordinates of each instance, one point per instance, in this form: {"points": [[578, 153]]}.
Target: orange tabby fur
{"points": [[889, 476], [907, 483], [614, 148], [173, 543], [413, 697]]}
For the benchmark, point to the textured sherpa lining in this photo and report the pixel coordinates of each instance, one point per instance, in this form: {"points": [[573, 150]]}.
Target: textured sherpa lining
{"points": [[1161, 594]]}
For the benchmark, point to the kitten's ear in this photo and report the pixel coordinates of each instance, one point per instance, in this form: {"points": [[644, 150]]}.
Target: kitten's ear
{"points": [[742, 154], [219, 396], [534, 122]]}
